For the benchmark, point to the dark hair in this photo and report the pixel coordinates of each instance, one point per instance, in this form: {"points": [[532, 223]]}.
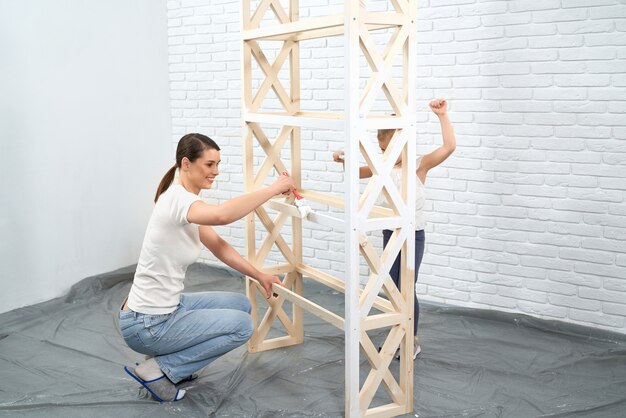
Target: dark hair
{"points": [[191, 146]]}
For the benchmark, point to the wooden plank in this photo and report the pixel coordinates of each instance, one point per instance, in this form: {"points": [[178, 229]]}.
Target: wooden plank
{"points": [[284, 207], [383, 320], [264, 142], [270, 239], [277, 269], [375, 358], [288, 30], [280, 241], [381, 370], [318, 120], [386, 411], [338, 202], [306, 304], [272, 155], [271, 73], [381, 304], [259, 13], [274, 343], [353, 131]]}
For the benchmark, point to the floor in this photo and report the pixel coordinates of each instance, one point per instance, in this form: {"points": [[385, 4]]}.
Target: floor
{"points": [[64, 358]]}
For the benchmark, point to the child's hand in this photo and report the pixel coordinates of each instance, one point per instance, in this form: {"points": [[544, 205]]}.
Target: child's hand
{"points": [[338, 156], [438, 106]]}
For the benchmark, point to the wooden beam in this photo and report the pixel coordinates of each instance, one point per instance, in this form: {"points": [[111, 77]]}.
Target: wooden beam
{"points": [[315, 120], [306, 304], [381, 304]]}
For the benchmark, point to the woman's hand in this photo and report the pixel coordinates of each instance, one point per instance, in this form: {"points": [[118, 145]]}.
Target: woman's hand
{"points": [[438, 106], [267, 280], [283, 185]]}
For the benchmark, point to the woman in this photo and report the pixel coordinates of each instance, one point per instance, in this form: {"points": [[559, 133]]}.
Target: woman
{"points": [[181, 332], [424, 164]]}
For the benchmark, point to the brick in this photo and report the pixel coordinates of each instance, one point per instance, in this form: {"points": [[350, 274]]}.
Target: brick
{"points": [[616, 233], [523, 294], [614, 308], [564, 67], [551, 287], [542, 310], [520, 224], [469, 220], [505, 93], [602, 171], [603, 244], [493, 300], [575, 302], [528, 81], [618, 285], [595, 53], [604, 39], [560, 93], [473, 265], [579, 80], [480, 243], [611, 12], [578, 254], [600, 270], [552, 239], [556, 41], [607, 93], [532, 55], [499, 280], [520, 271], [526, 106], [575, 279], [612, 183], [555, 215], [543, 167], [596, 196], [503, 211], [485, 9], [467, 22], [584, 3], [582, 132], [545, 262], [447, 293], [531, 249], [597, 318]]}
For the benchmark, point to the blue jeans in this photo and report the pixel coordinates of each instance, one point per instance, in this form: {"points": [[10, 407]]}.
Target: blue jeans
{"points": [[203, 327], [395, 269]]}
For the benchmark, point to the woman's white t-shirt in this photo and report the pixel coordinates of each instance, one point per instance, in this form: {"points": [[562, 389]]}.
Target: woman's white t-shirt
{"points": [[420, 196], [170, 245]]}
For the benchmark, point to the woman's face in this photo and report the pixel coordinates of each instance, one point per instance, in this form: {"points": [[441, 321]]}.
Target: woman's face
{"points": [[202, 171]]}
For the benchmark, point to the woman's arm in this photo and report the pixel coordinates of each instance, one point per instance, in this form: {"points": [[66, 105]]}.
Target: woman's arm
{"points": [[234, 209], [229, 256], [433, 159]]}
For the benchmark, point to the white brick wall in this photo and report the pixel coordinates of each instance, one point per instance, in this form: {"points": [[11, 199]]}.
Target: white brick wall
{"points": [[529, 215]]}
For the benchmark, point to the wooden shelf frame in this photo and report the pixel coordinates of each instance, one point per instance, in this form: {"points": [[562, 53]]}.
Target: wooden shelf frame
{"points": [[365, 309]]}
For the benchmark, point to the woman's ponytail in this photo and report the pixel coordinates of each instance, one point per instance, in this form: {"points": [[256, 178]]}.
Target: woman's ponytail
{"points": [[166, 182]]}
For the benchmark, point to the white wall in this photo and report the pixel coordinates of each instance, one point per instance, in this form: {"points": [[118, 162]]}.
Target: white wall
{"points": [[85, 137], [529, 215]]}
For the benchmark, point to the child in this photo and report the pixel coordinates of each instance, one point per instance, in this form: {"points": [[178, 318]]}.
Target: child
{"points": [[424, 164]]}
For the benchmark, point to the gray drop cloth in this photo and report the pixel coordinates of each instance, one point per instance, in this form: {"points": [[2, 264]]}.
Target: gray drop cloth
{"points": [[64, 358]]}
